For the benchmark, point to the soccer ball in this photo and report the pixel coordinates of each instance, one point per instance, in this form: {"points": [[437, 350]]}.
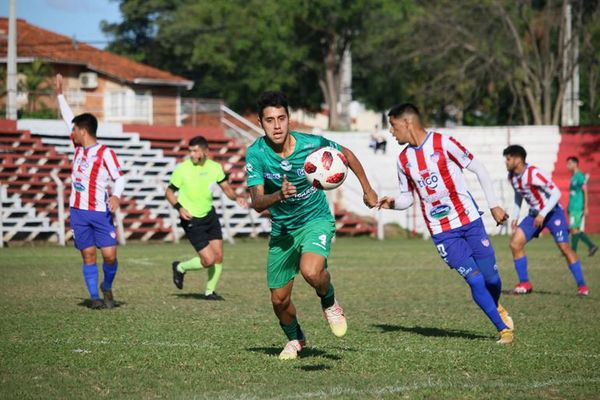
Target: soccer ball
{"points": [[326, 168]]}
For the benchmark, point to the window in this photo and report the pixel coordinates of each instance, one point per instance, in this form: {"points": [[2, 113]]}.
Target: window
{"points": [[128, 105]]}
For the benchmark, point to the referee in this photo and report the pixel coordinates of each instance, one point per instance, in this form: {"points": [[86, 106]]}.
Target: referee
{"points": [[190, 193]]}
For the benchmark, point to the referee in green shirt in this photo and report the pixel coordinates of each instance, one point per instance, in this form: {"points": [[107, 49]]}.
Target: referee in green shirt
{"points": [[190, 193], [578, 205]]}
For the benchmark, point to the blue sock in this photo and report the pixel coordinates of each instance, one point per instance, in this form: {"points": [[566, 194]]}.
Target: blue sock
{"points": [[577, 272], [489, 269], [110, 270], [484, 299], [90, 274], [521, 267]]}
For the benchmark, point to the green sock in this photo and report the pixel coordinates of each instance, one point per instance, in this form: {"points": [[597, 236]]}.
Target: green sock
{"points": [[575, 241], [329, 298], [293, 330], [586, 240], [192, 264], [214, 273]]}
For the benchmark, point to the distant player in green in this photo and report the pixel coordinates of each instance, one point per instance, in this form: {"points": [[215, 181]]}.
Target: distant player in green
{"points": [[302, 224], [190, 192], [578, 206]]}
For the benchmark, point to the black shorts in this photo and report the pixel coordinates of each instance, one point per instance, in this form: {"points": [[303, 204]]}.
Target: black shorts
{"points": [[200, 231]]}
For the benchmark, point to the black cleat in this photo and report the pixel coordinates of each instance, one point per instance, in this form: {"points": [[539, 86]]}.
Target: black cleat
{"points": [[213, 296], [109, 300], [177, 276], [96, 304], [593, 250]]}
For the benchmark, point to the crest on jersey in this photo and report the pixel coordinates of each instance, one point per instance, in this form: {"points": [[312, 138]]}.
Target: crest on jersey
{"points": [[285, 165], [435, 157], [249, 167], [485, 242]]}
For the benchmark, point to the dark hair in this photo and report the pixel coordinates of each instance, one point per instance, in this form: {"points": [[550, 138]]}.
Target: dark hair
{"points": [[515, 150], [574, 159], [405, 108], [86, 121], [199, 141], [271, 99]]}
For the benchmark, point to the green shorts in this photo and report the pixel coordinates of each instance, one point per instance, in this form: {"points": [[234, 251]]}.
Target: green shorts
{"points": [[575, 218], [285, 250]]}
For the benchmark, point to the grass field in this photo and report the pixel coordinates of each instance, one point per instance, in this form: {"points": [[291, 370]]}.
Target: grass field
{"points": [[414, 331]]}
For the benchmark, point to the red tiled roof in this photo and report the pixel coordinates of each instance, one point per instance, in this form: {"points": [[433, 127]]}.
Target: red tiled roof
{"points": [[35, 42]]}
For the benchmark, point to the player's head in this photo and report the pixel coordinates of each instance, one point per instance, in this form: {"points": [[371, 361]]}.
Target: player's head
{"points": [[273, 115], [198, 149], [572, 163], [82, 124], [404, 119], [514, 156]]}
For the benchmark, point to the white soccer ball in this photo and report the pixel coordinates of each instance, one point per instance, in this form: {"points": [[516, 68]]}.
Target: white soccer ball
{"points": [[326, 168]]}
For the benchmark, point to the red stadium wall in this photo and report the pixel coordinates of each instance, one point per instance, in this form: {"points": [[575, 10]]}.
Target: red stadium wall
{"points": [[582, 142]]}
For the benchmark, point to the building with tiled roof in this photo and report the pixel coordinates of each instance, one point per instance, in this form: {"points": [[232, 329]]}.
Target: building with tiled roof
{"points": [[113, 87]]}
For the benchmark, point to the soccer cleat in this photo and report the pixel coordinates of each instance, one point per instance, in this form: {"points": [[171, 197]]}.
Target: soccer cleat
{"points": [[109, 300], [592, 250], [177, 276], [506, 336], [506, 318], [291, 349], [335, 316], [523, 288], [96, 304], [213, 296], [583, 291]]}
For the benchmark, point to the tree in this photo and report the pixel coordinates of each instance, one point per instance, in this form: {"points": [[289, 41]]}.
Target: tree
{"points": [[36, 82]]}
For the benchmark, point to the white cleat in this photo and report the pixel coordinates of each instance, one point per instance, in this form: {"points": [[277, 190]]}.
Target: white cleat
{"points": [[337, 322], [291, 350]]}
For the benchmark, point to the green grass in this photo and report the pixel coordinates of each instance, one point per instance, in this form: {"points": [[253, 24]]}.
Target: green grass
{"points": [[414, 331]]}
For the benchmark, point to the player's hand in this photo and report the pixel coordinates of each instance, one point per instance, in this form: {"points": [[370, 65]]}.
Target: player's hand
{"points": [[538, 222], [500, 216], [386, 202], [370, 198], [58, 84], [513, 225], [241, 202], [113, 203], [185, 214], [287, 189]]}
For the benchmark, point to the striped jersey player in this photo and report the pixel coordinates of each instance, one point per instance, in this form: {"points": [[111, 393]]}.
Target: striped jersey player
{"points": [[431, 165], [537, 189], [94, 166]]}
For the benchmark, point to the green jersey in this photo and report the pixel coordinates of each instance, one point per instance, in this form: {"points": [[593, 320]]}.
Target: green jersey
{"points": [[265, 167], [576, 200], [194, 184]]}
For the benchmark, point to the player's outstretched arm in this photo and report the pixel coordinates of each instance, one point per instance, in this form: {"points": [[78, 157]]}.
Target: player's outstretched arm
{"points": [[65, 110], [498, 213], [262, 201], [230, 193], [369, 195]]}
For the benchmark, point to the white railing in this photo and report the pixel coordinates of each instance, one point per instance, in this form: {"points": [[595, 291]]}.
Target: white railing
{"points": [[60, 198]]}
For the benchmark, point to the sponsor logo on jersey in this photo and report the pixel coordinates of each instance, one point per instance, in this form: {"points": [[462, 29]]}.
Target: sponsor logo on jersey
{"points": [[440, 211], [80, 187], [428, 179], [249, 167], [300, 172], [271, 176], [285, 165]]}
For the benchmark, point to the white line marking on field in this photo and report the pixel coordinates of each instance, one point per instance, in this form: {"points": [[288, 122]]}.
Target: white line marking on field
{"points": [[142, 261]]}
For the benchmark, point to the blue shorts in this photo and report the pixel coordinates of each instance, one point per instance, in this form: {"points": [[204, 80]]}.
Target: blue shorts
{"points": [[555, 221], [457, 245], [92, 228]]}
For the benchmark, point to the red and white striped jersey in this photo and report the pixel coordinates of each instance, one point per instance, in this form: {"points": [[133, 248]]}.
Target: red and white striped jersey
{"points": [[434, 171], [534, 185], [92, 169]]}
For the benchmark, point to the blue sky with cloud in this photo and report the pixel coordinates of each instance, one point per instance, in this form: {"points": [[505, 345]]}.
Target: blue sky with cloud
{"points": [[79, 18]]}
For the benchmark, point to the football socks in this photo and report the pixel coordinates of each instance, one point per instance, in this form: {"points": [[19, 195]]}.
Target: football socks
{"points": [[110, 270], [90, 274], [586, 240], [575, 240], [484, 299], [577, 272], [521, 267], [329, 298], [192, 264], [293, 330], [488, 268], [214, 273]]}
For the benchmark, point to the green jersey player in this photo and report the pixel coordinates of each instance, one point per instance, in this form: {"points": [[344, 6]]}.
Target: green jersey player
{"points": [[302, 224], [578, 205]]}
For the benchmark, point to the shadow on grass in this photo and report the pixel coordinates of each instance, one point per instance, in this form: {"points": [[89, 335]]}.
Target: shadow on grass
{"points": [[305, 353], [197, 296], [318, 367], [432, 332], [87, 303], [543, 292]]}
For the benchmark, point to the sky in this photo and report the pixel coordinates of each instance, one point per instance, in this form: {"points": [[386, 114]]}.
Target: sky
{"points": [[79, 18]]}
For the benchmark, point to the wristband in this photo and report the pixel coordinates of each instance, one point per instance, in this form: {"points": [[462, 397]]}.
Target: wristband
{"points": [[177, 206]]}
